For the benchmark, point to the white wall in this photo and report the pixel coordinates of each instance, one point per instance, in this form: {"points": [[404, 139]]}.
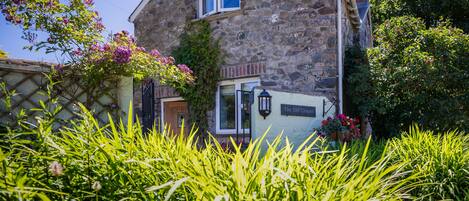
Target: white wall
{"points": [[296, 128], [125, 96]]}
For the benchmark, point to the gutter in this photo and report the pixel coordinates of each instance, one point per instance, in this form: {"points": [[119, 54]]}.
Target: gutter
{"points": [[339, 57]]}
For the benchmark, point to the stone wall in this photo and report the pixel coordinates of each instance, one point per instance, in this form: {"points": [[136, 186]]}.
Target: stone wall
{"points": [[295, 41], [161, 22]]}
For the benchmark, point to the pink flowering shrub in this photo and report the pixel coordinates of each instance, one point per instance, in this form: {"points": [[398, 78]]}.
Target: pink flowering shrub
{"points": [[122, 57], [75, 29]]}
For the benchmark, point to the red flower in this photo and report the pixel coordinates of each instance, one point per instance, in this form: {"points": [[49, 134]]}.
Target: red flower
{"points": [[341, 116], [324, 122]]}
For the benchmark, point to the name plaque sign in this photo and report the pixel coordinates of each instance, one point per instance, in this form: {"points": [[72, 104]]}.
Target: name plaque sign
{"points": [[297, 110]]}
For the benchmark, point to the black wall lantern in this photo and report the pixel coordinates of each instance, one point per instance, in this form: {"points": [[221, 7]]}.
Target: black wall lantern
{"points": [[265, 103]]}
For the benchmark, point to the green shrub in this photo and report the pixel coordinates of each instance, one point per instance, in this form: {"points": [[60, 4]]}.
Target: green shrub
{"points": [[442, 161], [118, 162], [419, 75]]}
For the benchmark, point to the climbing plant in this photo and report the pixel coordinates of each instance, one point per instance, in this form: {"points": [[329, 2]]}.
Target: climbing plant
{"points": [[200, 51]]}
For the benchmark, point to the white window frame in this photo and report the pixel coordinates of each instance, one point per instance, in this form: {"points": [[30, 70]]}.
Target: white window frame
{"points": [[218, 8], [220, 4], [201, 8], [237, 83]]}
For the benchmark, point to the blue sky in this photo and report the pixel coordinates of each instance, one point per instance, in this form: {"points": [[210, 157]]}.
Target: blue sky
{"points": [[114, 13]]}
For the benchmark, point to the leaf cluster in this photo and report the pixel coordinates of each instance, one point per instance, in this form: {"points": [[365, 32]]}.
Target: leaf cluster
{"points": [[431, 11], [419, 75], [68, 24], [202, 53]]}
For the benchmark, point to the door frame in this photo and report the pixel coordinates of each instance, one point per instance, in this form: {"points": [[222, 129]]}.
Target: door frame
{"points": [[163, 101]]}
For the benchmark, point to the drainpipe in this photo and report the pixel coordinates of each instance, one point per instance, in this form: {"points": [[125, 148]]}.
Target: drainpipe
{"points": [[339, 56]]}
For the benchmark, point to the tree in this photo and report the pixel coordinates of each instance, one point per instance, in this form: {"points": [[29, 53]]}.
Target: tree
{"points": [[198, 50], [420, 75], [69, 25], [431, 11]]}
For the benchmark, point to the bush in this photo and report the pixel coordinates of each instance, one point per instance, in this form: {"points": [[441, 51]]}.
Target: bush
{"points": [[419, 76], [442, 161], [86, 161], [431, 11]]}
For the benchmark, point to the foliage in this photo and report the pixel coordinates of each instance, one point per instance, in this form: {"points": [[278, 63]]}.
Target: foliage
{"points": [[198, 50], [3, 54], [341, 128], [113, 162], [419, 75], [69, 24], [75, 30], [359, 87], [442, 160], [122, 57], [431, 11], [86, 161]]}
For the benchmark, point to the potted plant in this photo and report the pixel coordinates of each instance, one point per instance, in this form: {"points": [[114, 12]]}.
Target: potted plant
{"points": [[340, 128]]}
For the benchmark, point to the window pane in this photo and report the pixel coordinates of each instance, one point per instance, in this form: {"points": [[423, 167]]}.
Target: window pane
{"points": [[230, 3], [227, 107], [246, 99], [208, 6]]}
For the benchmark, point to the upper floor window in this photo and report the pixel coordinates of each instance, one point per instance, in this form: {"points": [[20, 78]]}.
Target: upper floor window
{"points": [[208, 7]]}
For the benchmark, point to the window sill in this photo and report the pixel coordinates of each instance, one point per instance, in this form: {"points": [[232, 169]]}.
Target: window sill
{"points": [[220, 15]]}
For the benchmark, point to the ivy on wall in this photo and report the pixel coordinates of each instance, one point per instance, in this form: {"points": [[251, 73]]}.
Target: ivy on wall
{"points": [[202, 53]]}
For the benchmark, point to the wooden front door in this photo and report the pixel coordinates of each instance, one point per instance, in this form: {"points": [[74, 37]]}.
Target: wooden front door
{"points": [[176, 114]]}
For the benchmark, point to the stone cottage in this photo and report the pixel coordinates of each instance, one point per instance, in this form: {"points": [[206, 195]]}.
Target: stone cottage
{"points": [[292, 48]]}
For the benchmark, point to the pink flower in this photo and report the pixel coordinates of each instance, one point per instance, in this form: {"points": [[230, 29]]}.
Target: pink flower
{"points": [[155, 53], [184, 68], [56, 169], [95, 47], [65, 20], [341, 116], [122, 55], [77, 52], [88, 2]]}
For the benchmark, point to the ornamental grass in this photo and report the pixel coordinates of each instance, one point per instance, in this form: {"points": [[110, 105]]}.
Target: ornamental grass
{"points": [[86, 161]]}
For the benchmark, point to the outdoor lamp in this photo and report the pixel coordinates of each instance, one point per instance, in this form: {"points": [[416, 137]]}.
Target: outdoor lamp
{"points": [[265, 103]]}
